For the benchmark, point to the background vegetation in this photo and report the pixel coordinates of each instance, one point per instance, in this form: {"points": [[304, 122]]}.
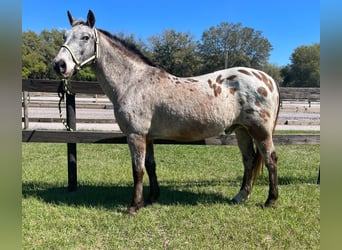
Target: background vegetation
{"points": [[222, 46], [192, 213]]}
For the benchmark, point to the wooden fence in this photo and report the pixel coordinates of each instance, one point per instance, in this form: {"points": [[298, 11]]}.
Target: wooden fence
{"points": [[299, 94], [74, 137]]}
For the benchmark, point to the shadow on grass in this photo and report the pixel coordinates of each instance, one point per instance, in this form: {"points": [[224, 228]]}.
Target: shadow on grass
{"points": [[116, 197], [119, 196]]}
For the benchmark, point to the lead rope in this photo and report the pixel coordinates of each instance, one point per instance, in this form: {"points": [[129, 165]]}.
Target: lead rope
{"points": [[66, 89]]}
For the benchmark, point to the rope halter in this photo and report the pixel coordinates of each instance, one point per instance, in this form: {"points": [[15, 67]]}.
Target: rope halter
{"points": [[79, 64]]}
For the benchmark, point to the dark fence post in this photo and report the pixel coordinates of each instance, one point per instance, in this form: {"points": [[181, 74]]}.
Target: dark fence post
{"points": [[72, 156]]}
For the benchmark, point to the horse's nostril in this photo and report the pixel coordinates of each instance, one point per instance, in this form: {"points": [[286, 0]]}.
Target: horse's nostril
{"points": [[60, 66]]}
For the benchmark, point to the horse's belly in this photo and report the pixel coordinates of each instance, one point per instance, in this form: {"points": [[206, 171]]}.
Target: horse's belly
{"points": [[186, 131]]}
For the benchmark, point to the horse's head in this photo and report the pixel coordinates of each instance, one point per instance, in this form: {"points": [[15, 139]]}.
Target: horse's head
{"points": [[80, 46]]}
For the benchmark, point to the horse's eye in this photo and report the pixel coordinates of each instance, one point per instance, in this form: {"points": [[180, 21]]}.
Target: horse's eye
{"points": [[85, 38]]}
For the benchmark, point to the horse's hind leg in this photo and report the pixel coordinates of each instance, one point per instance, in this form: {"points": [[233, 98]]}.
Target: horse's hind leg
{"points": [[249, 157], [150, 166], [266, 148]]}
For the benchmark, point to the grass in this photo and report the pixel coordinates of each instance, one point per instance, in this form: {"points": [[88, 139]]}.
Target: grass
{"points": [[193, 212]]}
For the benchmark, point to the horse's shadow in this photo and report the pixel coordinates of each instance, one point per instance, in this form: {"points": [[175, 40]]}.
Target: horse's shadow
{"points": [[116, 197], [119, 196]]}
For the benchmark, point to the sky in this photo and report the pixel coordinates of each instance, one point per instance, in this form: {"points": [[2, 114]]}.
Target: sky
{"points": [[287, 24]]}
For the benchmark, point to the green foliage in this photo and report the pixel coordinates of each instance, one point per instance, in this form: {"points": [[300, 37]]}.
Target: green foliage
{"points": [[175, 52], [304, 70], [32, 60], [85, 74], [38, 52], [228, 45], [193, 211]]}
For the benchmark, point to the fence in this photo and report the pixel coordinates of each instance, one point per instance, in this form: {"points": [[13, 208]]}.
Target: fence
{"points": [[74, 137], [299, 94]]}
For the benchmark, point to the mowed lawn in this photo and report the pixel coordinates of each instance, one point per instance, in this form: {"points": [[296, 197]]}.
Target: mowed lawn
{"points": [[193, 211]]}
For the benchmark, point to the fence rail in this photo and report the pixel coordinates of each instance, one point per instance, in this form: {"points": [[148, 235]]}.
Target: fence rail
{"points": [[119, 138]]}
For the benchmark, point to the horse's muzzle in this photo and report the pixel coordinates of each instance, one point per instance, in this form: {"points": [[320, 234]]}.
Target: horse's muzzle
{"points": [[59, 66]]}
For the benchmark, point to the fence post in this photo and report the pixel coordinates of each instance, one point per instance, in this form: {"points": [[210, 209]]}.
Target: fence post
{"points": [[72, 156], [25, 105]]}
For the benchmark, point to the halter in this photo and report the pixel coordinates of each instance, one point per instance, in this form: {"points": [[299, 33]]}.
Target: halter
{"points": [[79, 64]]}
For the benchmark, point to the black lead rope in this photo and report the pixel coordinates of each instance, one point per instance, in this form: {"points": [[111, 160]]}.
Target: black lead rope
{"points": [[66, 88]]}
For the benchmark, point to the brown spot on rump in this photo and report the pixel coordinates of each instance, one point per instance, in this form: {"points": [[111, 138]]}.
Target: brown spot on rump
{"points": [[219, 80], [232, 90], [244, 72], [210, 83], [230, 78], [257, 75], [267, 81], [264, 114], [257, 104], [178, 82], [262, 91], [217, 91]]}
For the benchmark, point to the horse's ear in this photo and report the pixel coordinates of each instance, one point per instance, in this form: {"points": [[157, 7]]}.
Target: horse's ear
{"points": [[71, 19], [91, 19]]}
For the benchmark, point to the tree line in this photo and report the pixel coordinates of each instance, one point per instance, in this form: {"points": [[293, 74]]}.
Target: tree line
{"points": [[223, 46]]}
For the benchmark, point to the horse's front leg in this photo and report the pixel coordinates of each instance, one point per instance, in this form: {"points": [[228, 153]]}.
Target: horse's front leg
{"points": [[137, 146]]}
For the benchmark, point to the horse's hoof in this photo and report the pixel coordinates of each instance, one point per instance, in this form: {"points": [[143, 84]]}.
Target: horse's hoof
{"points": [[150, 201], [234, 202], [133, 211], [270, 203]]}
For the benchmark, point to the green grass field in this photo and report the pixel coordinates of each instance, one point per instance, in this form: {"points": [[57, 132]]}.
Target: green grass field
{"points": [[193, 211]]}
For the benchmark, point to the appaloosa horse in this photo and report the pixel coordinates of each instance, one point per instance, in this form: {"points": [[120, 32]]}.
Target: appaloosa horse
{"points": [[150, 103]]}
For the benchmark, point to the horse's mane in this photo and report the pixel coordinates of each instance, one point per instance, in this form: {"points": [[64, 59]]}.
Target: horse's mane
{"points": [[128, 45]]}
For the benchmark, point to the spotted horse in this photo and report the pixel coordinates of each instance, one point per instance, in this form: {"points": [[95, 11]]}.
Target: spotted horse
{"points": [[150, 103]]}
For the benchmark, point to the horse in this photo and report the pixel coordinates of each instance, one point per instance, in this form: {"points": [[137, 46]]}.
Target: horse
{"points": [[150, 103]]}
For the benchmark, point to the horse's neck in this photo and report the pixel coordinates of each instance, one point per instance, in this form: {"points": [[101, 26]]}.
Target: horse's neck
{"points": [[115, 70]]}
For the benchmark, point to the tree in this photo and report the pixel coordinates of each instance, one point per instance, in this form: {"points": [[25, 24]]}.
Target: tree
{"points": [[228, 45], [50, 43], [32, 61], [304, 70], [175, 52]]}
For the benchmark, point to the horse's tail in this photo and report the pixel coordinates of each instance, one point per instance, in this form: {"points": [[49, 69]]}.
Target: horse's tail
{"points": [[258, 159], [258, 164]]}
